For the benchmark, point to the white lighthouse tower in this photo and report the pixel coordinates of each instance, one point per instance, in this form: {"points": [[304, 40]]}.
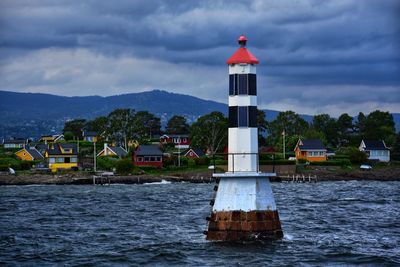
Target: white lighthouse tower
{"points": [[244, 207]]}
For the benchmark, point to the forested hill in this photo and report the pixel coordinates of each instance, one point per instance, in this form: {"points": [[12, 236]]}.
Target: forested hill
{"points": [[33, 114], [44, 106]]}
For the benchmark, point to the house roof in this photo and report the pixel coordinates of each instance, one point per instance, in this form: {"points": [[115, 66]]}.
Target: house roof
{"points": [[119, 151], [34, 153], [310, 144], [41, 147], [87, 133], [375, 145], [56, 149], [148, 150], [174, 136], [199, 152], [15, 141]]}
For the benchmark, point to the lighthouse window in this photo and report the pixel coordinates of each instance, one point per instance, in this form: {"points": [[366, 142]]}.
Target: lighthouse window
{"points": [[233, 117], [253, 116], [252, 84], [243, 84], [232, 84], [243, 117]]}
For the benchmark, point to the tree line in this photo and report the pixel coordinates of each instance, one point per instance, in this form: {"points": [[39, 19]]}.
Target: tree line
{"points": [[211, 130]]}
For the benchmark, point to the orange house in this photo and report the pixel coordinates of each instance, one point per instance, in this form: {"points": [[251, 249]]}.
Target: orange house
{"points": [[310, 150], [29, 154]]}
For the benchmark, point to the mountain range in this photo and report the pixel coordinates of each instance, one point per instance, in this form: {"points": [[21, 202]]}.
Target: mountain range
{"points": [[34, 114]]}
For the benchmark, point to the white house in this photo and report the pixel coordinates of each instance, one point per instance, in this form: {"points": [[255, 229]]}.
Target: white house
{"points": [[376, 150]]}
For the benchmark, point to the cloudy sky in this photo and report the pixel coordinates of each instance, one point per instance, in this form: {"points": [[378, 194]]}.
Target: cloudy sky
{"points": [[315, 56]]}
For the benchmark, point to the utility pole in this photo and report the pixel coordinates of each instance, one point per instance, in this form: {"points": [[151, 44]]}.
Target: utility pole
{"points": [[179, 150], [94, 157], [283, 133]]}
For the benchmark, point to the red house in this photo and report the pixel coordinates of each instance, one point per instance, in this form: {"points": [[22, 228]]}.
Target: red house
{"points": [[180, 141], [148, 155], [193, 153]]}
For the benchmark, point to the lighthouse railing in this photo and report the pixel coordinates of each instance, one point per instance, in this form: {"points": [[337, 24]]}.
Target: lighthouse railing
{"points": [[232, 157]]}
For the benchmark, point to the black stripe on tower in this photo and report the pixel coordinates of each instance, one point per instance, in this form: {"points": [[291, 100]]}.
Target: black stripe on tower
{"points": [[243, 116], [242, 84]]}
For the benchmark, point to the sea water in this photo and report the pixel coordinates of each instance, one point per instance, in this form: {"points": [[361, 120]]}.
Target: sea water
{"points": [[326, 223]]}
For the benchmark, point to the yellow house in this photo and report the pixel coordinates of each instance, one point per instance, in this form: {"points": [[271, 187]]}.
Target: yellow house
{"points": [[90, 136], [62, 156], [310, 150], [48, 139], [29, 154]]}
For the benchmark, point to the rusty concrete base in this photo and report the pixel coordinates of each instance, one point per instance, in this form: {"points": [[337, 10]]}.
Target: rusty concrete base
{"points": [[244, 226]]}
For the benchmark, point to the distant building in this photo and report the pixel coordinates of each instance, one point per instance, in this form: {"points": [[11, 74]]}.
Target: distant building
{"points": [[29, 154], [90, 136], [376, 150], [180, 141], [14, 143], [310, 150], [148, 155], [193, 153], [48, 139], [62, 156], [115, 151]]}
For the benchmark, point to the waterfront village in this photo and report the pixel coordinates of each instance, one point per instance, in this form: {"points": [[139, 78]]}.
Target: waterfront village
{"points": [[136, 145]]}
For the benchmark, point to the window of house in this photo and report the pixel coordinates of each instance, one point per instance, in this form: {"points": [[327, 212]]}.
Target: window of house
{"points": [[52, 160], [67, 160], [309, 153], [60, 160], [146, 159], [74, 159], [24, 154], [158, 159], [139, 159]]}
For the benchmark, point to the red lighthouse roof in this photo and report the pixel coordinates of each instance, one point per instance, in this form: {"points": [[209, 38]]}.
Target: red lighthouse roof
{"points": [[242, 55]]}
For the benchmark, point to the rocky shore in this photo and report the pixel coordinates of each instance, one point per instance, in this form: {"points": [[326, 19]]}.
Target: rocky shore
{"points": [[320, 173]]}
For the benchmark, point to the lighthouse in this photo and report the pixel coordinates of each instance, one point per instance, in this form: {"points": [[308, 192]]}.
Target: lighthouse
{"points": [[244, 207]]}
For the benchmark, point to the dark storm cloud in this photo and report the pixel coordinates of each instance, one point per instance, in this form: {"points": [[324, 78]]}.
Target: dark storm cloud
{"points": [[301, 44]]}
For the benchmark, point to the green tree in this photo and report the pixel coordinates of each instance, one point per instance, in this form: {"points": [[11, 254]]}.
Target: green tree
{"points": [[210, 131], [120, 126], [288, 122], [262, 127], [380, 125], [177, 125], [98, 125], [75, 127], [345, 129], [325, 124], [146, 124], [360, 124], [395, 153]]}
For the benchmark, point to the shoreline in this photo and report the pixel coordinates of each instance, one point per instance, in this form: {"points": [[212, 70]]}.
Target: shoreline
{"points": [[321, 174]]}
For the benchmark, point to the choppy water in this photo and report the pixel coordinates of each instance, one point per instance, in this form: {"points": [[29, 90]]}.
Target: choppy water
{"points": [[327, 223]]}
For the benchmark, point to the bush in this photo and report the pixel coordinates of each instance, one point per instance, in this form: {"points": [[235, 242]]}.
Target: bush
{"points": [[302, 161], [11, 162], [26, 165], [277, 162], [342, 163], [124, 166], [202, 161], [106, 163], [219, 162], [191, 163]]}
